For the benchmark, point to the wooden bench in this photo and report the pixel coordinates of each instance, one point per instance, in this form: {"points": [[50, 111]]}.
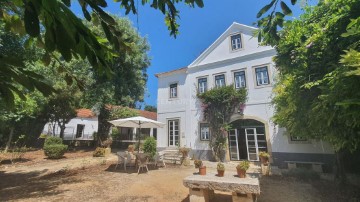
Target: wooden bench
{"points": [[316, 166], [202, 187]]}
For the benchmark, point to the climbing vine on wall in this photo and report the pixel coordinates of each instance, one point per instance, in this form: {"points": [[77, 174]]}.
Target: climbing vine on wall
{"points": [[218, 105]]}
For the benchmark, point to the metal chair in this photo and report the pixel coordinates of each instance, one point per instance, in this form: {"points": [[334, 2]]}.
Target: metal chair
{"points": [[159, 157], [121, 159], [142, 161]]}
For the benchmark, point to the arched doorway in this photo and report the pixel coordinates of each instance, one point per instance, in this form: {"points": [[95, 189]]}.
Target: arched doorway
{"points": [[246, 139]]}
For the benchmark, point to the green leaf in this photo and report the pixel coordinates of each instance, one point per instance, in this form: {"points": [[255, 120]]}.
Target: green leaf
{"points": [[199, 3], [265, 9], [67, 2], [32, 24], [286, 10], [293, 2]]}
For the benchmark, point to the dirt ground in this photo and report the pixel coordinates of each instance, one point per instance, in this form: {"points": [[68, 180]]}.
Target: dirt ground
{"points": [[103, 183]]}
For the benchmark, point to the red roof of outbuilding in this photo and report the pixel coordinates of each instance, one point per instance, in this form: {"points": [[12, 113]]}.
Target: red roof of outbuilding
{"points": [[85, 113]]}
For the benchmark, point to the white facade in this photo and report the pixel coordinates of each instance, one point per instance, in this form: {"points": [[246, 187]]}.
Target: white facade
{"points": [[77, 129], [220, 59]]}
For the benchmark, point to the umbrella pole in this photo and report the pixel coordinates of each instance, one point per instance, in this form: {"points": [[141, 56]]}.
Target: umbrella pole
{"points": [[139, 137]]}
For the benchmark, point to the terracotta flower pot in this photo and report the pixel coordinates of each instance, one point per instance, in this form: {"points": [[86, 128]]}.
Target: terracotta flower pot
{"points": [[202, 170], [264, 160], [241, 173], [220, 173]]}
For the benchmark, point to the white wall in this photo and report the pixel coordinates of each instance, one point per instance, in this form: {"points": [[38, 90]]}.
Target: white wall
{"points": [[221, 60], [91, 126]]}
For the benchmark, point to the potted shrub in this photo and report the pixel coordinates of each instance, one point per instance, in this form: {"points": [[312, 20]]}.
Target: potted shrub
{"points": [[220, 169], [131, 148], [241, 168], [184, 151], [202, 168], [264, 157]]}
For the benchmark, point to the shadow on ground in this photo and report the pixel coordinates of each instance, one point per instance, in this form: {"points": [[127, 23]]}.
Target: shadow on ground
{"points": [[25, 185]]}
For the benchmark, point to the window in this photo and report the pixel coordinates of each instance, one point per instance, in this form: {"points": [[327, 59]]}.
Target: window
{"points": [[155, 133], [173, 90], [220, 80], [236, 42], [297, 138], [240, 80], [202, 85], [204, 131], [262, 76], [79, 130]]}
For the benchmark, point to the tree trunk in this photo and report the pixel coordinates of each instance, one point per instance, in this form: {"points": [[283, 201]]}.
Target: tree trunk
{"points": [[340, 174], [103, 125], [62, 128], [10, 138]]}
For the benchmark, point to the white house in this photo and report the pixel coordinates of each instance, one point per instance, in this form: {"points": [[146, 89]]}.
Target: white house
{"points": [[85, 124], [81, 127], [234, 58]]}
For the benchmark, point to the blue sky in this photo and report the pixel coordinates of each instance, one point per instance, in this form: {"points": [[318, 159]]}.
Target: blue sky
{"points": [[199, 28]]}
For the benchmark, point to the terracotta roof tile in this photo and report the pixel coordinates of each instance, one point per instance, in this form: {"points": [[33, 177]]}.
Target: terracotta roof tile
{"points": [[84, 113]]}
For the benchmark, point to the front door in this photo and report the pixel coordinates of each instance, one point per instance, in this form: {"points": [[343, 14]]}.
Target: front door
{"points": [[252, 144], [173, 131]]}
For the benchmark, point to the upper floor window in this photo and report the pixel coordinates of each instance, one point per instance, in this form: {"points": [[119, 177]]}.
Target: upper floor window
{"points": [[173, 90], [262, 76], [240, 80], [204, 131], [202, 85], [220, 80], [236, 42]]}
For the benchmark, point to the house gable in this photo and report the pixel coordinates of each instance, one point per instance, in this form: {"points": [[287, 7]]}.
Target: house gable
{"points": [[221, 49]]}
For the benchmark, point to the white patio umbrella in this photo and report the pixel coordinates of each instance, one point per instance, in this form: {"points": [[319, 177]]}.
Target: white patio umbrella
{"points": [[137, 122]]}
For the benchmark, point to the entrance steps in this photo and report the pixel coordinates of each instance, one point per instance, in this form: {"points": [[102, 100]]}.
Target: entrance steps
{"points": [[172, 156]]}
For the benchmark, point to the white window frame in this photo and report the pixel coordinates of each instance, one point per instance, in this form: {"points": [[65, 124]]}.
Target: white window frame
{"points": [[239, 45], [173, 94], [262, 76], [206, 137], [173, 129], [235, 80], [255, 76], [203, 88], [221, 85]]}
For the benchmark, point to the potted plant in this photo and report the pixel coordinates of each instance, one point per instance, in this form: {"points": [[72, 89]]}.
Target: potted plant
{"points": [[202, 168], [184, 155], [131, 148], [220, 169], [241, 168], [264, 157]]}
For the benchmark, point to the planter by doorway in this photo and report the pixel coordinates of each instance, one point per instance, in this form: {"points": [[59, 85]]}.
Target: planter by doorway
{"points": [[202, 170], [221, 173], [241, 173]]}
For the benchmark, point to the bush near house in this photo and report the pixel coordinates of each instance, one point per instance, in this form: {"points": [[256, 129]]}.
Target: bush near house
{"points": [[150, 146], [99, 152], [54, 148]]}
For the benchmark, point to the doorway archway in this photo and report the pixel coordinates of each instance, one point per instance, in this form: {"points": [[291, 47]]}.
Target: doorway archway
{"points": [[247, 138]]}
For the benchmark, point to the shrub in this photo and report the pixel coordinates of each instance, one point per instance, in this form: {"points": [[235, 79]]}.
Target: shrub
{"points": [[99, 152], [264, 154], [150, 146], [220, 166], [107, 143], [55, 151], [198, 163], [53, 140], [243, 165], [184, 151]]}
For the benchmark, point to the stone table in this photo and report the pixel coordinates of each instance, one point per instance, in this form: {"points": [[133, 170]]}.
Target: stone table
{"points": [[201, 187]]}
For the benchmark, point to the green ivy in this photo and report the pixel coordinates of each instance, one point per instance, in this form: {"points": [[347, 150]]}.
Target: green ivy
{"points": [[218, 105]]}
